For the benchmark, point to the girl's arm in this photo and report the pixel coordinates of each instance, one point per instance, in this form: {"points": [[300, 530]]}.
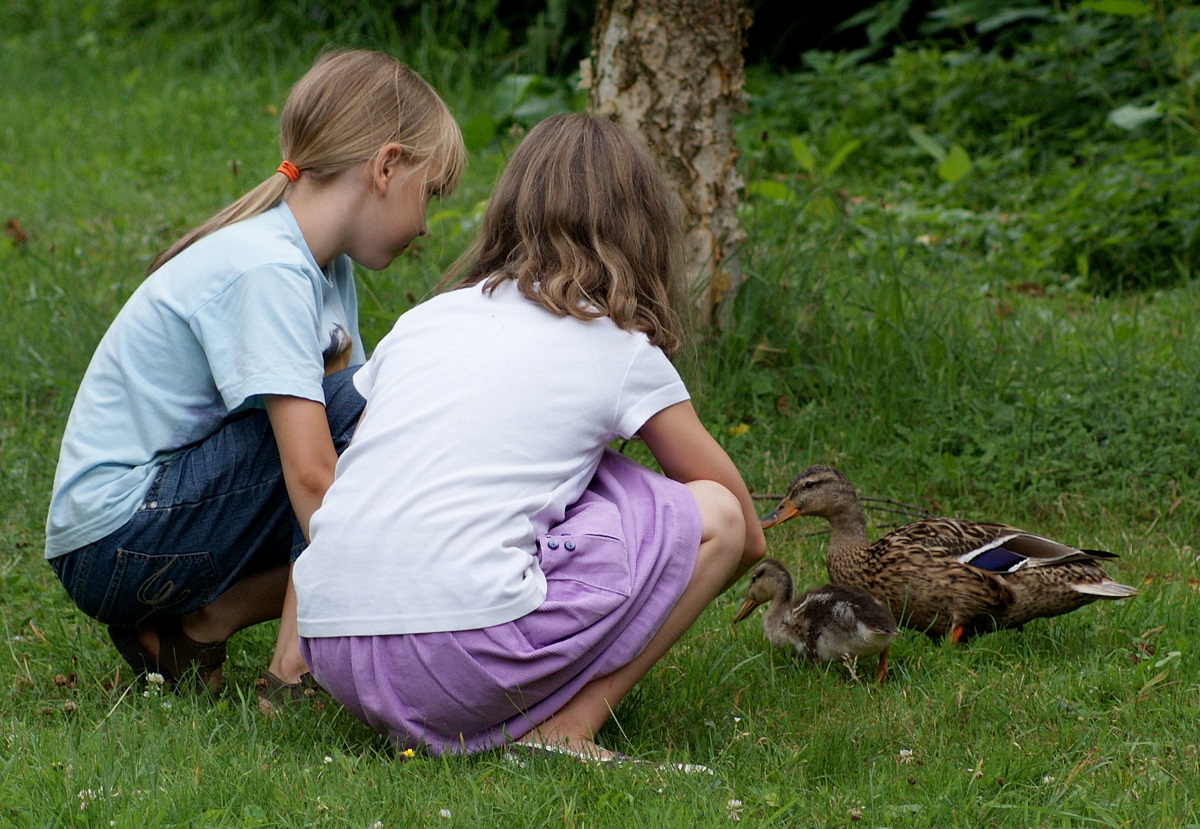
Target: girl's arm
{"points": [[687, 452], [308, 458], [305, 450]]}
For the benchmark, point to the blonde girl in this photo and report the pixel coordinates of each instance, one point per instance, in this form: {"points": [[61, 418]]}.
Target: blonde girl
{"points": [[483, 570], [207, 426]]}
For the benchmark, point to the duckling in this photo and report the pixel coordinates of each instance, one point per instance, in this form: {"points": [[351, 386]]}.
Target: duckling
{"points": [[825, 624], [945, 576]]}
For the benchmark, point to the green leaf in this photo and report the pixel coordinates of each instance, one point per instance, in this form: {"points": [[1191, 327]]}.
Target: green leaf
{"points": [[955, 165], [1154, 681], [1121, 8], [840, 156], [768, 189], [479, 131], [927, 143], [802, 154], [510, 93], [891, 14], [1130, 117], [1009, 16]]}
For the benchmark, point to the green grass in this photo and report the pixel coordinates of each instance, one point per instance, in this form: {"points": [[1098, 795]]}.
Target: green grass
{"points": [[920, 371]]}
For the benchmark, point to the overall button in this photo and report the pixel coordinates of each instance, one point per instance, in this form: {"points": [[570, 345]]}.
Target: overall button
{"points": [[552, 544], [569, 546]]}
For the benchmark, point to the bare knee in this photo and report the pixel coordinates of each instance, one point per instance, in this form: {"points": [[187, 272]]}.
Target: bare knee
{"points": [[723, 524]]}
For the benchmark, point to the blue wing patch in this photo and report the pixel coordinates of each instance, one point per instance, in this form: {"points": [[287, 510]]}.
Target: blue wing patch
{"points": [[994, 560]]}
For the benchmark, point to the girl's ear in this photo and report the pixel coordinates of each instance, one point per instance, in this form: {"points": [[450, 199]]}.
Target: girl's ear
{"points": [[386, 164]]}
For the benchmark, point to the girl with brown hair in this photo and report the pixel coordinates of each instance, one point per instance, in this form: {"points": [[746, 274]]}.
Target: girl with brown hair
{"points": [[483, 570]]}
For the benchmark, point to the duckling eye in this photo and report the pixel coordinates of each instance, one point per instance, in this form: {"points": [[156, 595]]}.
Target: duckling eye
{"points": [[809, 484]]}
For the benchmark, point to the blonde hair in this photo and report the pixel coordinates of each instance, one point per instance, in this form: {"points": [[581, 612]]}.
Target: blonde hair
{"points": [[586, 224], [338, 115]]}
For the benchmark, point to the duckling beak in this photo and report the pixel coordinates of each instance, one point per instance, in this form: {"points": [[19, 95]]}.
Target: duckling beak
{"points": [[745, 609], [781, 513]]}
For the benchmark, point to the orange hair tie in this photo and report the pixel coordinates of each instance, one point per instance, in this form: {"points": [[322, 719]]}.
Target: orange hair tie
{"points": [[289, 170]]}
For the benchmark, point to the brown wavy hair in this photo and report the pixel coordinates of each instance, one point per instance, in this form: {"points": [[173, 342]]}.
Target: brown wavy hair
{"points": [[338, 115], [585, 222]]}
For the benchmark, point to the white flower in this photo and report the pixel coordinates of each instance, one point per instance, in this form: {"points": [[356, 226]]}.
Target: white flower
{"points": [[155, 679], [444, 813], [1047, 780], [906, 755], [735, 809], [328, 759]]}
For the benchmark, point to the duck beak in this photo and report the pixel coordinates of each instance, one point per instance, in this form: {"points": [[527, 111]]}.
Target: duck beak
{"points": [[781, 513], [745, 609]]}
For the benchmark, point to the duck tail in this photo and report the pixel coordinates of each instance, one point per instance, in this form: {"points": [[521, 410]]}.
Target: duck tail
{"points": [[1106, 590]]}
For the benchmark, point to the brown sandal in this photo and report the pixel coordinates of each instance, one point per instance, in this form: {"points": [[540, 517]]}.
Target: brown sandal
{"points": [[273, 692], [179, 655]]}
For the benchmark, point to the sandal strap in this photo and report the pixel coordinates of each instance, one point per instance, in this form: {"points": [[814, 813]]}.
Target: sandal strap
{"points": [[274, 691], [179, 653]]}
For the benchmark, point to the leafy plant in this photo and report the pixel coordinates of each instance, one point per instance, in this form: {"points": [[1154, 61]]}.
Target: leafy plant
{"points": [[1076, 139]]}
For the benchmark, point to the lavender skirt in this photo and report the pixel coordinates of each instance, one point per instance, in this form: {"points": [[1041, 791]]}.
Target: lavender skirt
{"points": [[615, 567]]}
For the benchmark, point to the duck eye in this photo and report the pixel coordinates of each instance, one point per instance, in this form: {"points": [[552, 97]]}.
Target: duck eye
{"points": [[809, 484]]}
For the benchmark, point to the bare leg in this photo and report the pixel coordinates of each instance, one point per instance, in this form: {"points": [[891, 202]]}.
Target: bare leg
{"points": [[722, 542], [256, 598], [286, 662]]}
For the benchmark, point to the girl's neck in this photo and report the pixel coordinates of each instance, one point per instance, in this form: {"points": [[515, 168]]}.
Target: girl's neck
{"points": [[324, 213]]}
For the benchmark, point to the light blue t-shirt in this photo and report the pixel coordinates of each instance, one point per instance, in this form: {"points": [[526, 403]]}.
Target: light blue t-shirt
{"points": [[240, 313]]}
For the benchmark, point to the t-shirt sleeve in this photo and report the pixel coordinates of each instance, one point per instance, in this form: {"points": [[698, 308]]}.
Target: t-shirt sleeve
{"points": [[364, 378], [651, 385], [260, 336]]}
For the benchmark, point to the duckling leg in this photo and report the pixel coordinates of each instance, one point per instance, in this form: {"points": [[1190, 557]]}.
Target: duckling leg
{"points": [[956, 634], [882, 668]]}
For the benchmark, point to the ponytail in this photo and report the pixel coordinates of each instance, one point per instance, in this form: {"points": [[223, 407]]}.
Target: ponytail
{"points": [[347, 106]]}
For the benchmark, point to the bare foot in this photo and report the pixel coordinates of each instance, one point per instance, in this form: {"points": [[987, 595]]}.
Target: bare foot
{"points": [[578, 745]]}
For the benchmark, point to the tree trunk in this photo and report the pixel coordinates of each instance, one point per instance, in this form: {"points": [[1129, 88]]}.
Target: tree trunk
{"points": [[672, 71]]}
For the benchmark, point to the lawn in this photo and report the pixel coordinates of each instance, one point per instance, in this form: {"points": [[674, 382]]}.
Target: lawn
{"points": [[889, 324]]}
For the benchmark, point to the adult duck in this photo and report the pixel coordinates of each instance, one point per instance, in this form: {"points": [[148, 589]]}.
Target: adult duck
{"points": [[830, 623], [945, 576]]}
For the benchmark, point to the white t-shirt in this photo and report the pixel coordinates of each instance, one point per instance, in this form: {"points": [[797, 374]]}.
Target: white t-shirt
{"points": [[240, 313], [486, 418]]}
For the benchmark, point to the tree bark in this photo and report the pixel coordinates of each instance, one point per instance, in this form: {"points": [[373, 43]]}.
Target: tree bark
{"points": [[673, 71]]}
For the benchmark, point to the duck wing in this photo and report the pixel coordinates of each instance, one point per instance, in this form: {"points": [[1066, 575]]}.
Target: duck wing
{"points": [[995, 548], [840, 621], [915, 571]]}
